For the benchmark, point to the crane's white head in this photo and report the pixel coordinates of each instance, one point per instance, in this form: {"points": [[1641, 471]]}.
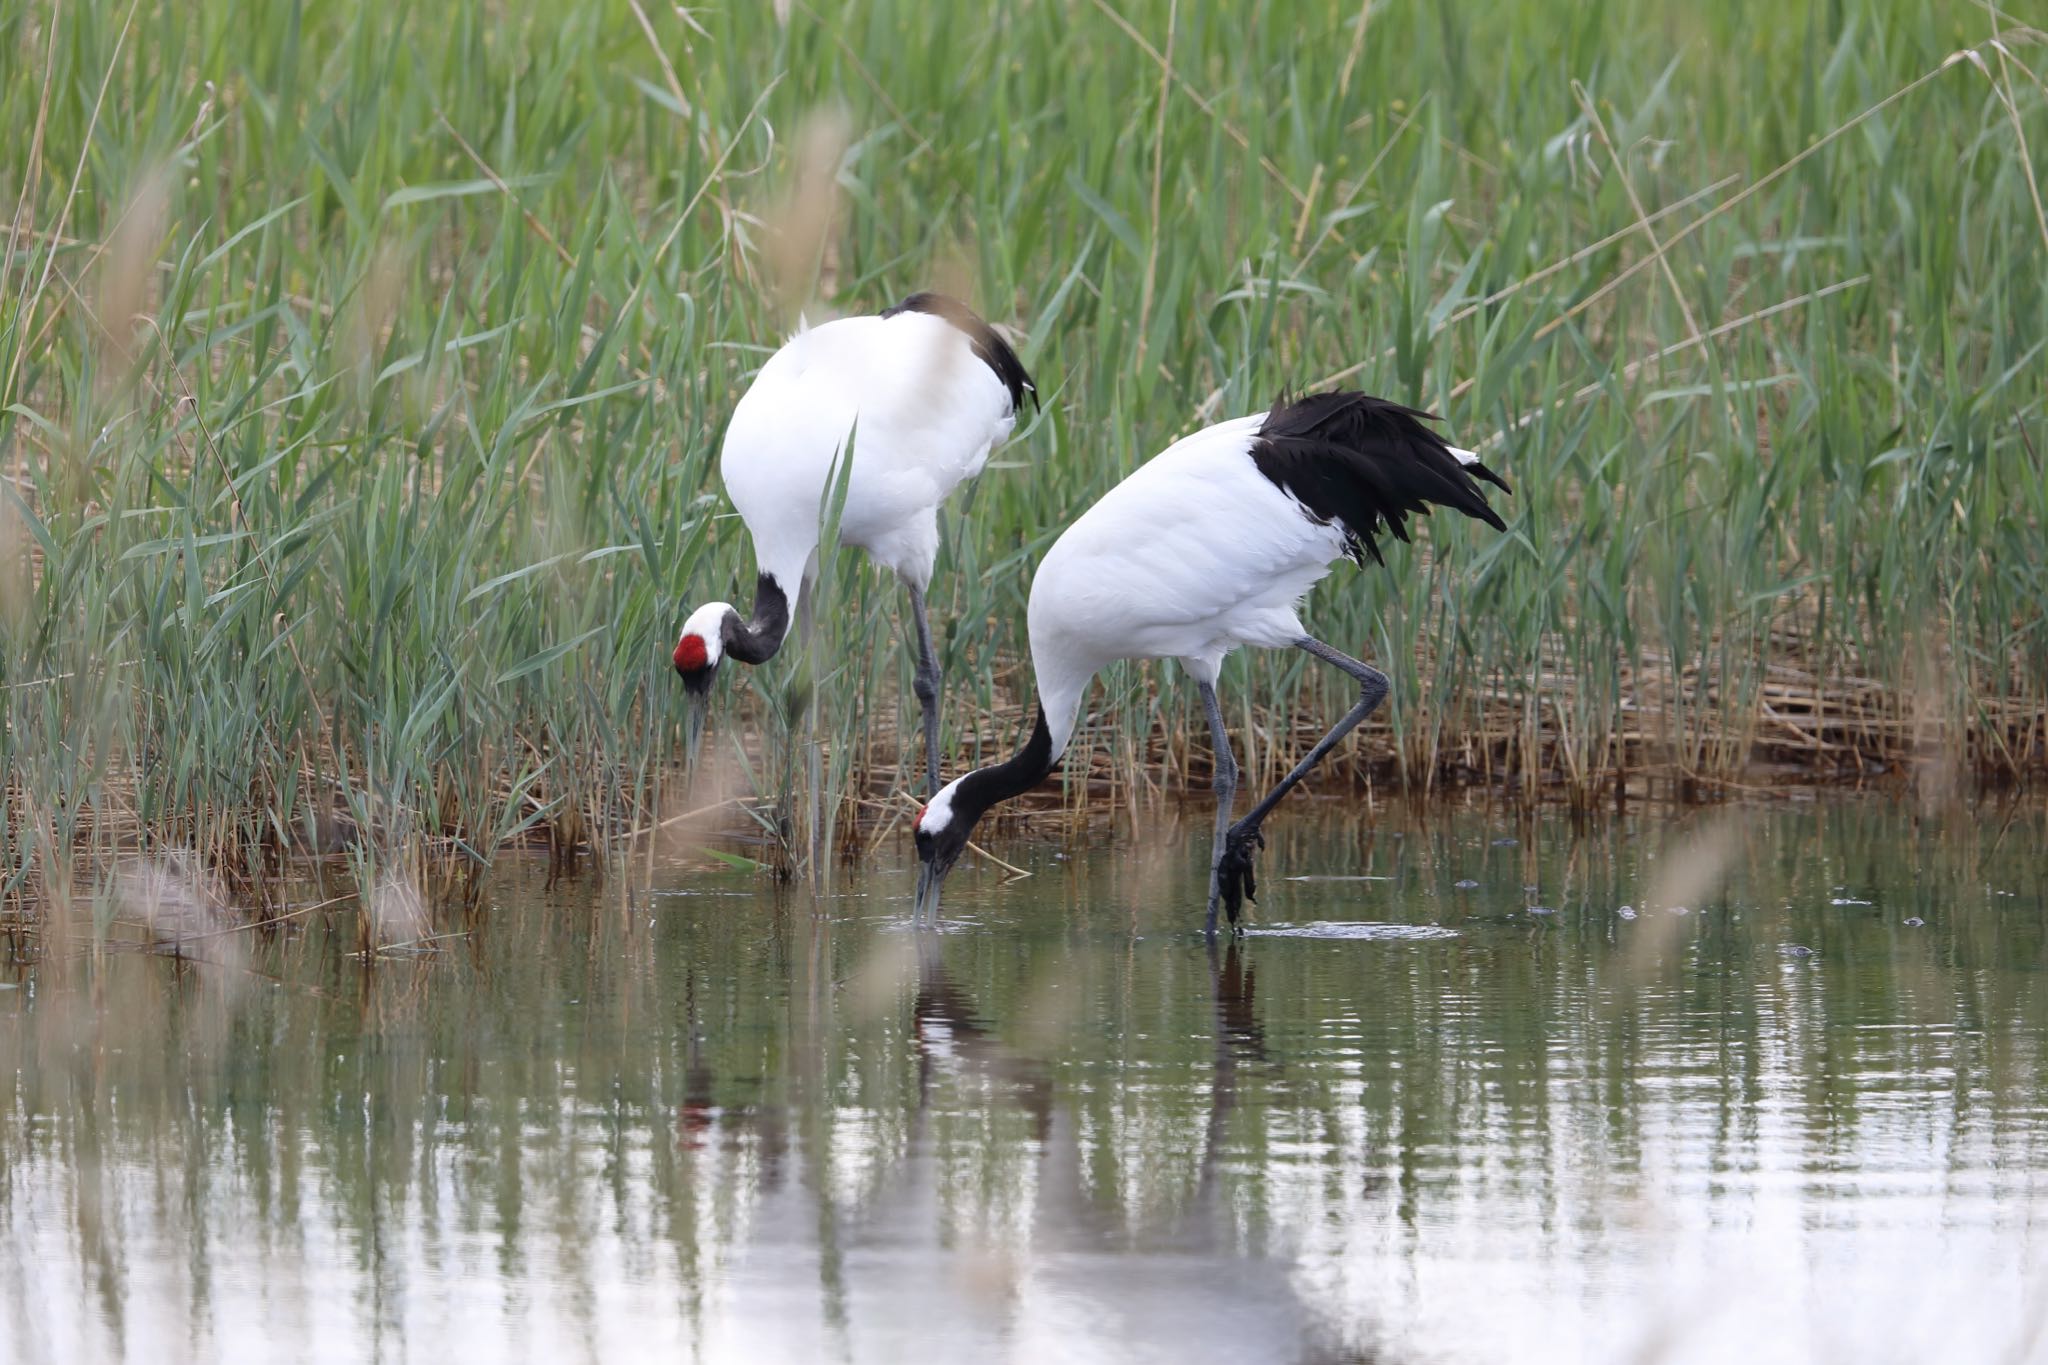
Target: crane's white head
{"points": [[941, 828], [702, 646], [943, 825]]}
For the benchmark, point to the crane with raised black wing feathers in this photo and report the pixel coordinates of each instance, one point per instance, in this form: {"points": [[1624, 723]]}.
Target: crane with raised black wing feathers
{"points": [[1210, 545], [924, 391]]}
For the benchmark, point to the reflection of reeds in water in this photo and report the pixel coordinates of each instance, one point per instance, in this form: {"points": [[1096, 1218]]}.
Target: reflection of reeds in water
{"points": [[364, 471], [732, 1122]]}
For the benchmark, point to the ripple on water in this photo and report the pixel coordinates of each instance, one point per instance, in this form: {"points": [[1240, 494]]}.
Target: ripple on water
{"points": [[1346, 877], [1352, 930]]}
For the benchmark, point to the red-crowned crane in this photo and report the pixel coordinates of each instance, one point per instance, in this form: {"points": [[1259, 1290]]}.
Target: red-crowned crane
{"points": [[925, 391], [1211, 545]]}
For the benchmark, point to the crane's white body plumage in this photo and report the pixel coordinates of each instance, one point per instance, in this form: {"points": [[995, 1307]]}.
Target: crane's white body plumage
{"points": [[897, 409], [923, 412], [1193, 555]]}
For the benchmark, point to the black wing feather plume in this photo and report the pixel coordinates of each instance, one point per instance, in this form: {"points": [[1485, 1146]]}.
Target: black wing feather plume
{"points": [[1367, 464]]}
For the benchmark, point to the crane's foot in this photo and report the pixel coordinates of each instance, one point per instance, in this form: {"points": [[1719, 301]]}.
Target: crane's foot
{"points": [[1235, 879]]}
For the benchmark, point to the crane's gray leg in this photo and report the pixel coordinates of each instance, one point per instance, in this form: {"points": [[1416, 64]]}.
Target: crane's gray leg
{"points": [[926, 685], [1226, 792], [1244, 839]]}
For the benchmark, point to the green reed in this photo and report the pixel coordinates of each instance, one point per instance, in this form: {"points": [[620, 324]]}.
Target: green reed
{"points": [[362, 376]]}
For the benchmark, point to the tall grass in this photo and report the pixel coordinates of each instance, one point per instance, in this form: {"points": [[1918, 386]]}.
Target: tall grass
{"points": [[362, 374]]}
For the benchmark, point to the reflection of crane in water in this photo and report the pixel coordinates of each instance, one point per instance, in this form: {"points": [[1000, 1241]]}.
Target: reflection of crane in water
{"points": [[949, 1031], [947, 1228], [1239, 1035], [704, 1122], [1084, 1252], [953, 1036]]}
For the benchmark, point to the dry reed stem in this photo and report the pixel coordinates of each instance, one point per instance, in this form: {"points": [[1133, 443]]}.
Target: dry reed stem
{"points": [[710, 181], [1506, 292], [1158, 173], [30, 184], [1642, 216], [2019, 129], [1629, 372], [1357, 49], [1755, 187], [1201, 102], [28, 310], [668, 71], [875, 87], [539, 228]]}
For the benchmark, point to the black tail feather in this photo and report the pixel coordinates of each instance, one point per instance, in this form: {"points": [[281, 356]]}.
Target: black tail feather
{"points": [[1367, 464]]}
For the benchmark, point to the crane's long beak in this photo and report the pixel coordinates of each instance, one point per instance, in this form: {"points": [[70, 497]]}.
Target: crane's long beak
{"points": [[693, 728], [929, 880]]}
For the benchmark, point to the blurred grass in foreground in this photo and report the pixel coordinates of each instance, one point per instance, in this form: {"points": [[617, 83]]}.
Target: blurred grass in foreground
{"points": [[362, 375]]}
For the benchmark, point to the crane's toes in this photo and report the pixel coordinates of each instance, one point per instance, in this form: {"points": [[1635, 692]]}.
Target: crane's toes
{"points": [[1235, 876]]}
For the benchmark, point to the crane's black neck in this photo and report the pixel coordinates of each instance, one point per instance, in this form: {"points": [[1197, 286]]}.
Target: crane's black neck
{"points": [[985, 787], [756, 641]]}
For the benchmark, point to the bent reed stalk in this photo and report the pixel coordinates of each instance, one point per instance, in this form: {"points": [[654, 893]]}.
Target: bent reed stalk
{"points": [[364, 376]]}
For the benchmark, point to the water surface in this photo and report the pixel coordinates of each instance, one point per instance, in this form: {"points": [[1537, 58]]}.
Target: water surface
{"points": [[1447, 1102]]}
